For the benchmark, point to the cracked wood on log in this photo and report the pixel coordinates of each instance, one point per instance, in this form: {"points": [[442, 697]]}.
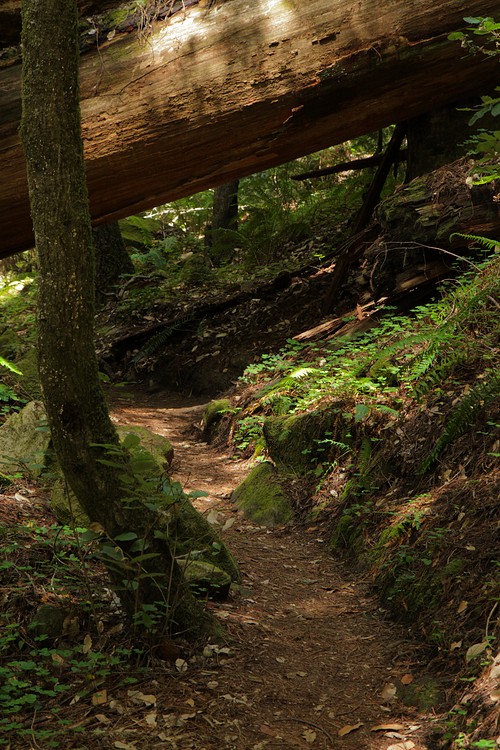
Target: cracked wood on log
{"points": [[214, 94]]}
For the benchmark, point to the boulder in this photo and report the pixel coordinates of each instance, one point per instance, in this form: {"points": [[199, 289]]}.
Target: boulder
{"points": [[150, 445], [214, 411], [298, 443], [193, 535], [205, 579], [150, 455], [29, 382], [261, 497], [24, 441]]}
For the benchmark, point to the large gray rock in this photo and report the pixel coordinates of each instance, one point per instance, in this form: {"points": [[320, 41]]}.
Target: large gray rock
{"points": [[24, 441]]}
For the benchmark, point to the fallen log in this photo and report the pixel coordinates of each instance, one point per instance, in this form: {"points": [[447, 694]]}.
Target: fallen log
{"points": [[220, 92]]}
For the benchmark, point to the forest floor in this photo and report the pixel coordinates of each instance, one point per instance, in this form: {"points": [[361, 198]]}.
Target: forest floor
{"points": [[309, 662]]}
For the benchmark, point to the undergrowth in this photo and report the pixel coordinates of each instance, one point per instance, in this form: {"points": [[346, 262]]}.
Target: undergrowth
{"points": [[404, 357]]}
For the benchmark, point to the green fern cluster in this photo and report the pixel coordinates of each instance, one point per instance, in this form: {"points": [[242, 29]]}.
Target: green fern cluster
{"points": [[474, 403]]}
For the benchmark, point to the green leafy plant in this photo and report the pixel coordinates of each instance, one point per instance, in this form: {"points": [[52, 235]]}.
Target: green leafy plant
{"points": [[482, 36]]}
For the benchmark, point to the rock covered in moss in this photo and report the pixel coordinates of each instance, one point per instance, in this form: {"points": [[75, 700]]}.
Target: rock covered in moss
{"points": [[157, 446], [192, 533], [213, 413], [206, 579], [25, 440], [29, 381], [261, 497], [297, 443]]}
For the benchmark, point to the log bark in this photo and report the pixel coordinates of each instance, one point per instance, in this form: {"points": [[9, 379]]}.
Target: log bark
{"points": [[220, 92]]}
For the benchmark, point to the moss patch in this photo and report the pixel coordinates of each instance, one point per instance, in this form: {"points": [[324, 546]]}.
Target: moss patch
{"points": [[261, 497], [24, 441], [213, 414], [298, 443], [192, 535], [205, 579]]}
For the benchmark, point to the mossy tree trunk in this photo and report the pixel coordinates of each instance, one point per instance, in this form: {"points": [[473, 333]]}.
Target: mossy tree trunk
{"points": [[224, 218], [81, 429], [111, 258]]}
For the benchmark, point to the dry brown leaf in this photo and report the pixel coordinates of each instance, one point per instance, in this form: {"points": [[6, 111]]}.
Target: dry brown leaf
{"points": [[151, 720], [309, 735], [387, 727], [475, 650], [349, 728], [190, 702], [103, 719], [87, 644], [99, 698], [462, 607], [268, 730], [407, 745], [389, 692], [139, 697], [406, 679]]}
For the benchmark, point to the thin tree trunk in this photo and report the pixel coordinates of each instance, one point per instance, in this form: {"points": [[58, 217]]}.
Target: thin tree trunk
{"points": [[112, 258], [219, 243], [352, 248], [81, 429]]}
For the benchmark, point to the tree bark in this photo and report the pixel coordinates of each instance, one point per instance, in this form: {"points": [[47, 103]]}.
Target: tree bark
{"points": [[112, 258], [217, 93], [224, 217], [348, 252], [84, 438]]}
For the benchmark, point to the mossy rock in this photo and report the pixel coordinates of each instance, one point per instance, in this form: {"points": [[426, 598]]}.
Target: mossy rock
{"points": [[9, 344], [348, 535], [151, 445], [206, 579], [24, 441], [192, 534], [214, 411], [150, 455], [294, 442], [261, 497], [29, 381]]}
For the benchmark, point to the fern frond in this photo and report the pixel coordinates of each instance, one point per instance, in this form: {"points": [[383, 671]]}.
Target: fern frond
{"points": [[486, 242], [464, 415], [158, 341]]}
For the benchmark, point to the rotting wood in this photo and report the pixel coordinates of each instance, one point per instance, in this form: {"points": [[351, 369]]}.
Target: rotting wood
{"points": [[221, 93]]}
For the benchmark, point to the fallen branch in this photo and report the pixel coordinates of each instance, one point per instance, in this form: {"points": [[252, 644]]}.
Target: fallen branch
{"points": [[348, 166]]}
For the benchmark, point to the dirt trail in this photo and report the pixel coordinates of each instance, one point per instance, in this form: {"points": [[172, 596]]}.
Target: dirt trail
{"points": [[309, 653]]}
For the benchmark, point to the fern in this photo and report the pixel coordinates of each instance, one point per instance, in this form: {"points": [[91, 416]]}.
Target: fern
{"points": [[158, 341], [464, 415], [289, 381], [486, 242]]}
